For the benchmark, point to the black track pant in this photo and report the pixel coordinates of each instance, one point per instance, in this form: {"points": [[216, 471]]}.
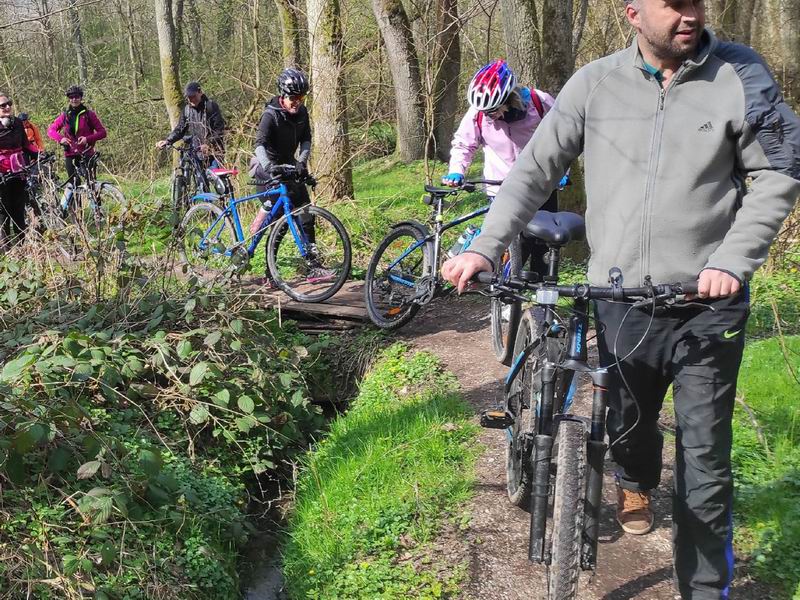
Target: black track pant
{"points": [[535, 251], [13, 198], [299, 195], [698, 351]]}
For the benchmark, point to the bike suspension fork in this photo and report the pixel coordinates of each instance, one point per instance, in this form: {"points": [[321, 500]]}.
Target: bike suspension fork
{"points": [[542, 455], [596, 451]]}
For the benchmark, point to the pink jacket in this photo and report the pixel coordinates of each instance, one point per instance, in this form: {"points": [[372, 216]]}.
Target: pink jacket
{"points": [[502, 141], [89, 126]]}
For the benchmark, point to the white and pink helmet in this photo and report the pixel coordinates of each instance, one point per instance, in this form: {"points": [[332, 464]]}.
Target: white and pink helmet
{"points": [[491, 86]]}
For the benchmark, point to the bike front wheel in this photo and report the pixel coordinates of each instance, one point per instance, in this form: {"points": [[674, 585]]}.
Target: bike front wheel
{"points": [[180, 199], [568, 504], [205, 237], [399, 264], [505, 317], [104, 213], [309, 254]]}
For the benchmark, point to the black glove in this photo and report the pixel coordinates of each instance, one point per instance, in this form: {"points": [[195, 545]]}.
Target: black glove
{"points": [[302, 169], [277, 171]]}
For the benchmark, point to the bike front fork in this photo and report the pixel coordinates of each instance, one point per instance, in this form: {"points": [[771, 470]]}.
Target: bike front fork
{"points": [[538, 549]]}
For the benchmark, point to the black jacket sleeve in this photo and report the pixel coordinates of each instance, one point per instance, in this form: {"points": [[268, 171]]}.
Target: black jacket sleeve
{"points": [[180, 129], [265, 125], [216, 123]]}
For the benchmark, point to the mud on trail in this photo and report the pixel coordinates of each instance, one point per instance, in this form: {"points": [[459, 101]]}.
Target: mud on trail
{"points": [[495, 545]]}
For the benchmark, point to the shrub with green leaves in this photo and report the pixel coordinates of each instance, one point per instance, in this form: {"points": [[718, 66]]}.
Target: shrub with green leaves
{"points": [[135, 437]]}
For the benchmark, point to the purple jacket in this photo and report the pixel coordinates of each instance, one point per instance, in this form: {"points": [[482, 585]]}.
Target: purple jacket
{"points": [[502, 141], [89, 126]]}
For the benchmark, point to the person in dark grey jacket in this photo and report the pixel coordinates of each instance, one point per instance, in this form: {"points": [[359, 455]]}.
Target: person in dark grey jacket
{"points": [[202, 119], [692, 163]]}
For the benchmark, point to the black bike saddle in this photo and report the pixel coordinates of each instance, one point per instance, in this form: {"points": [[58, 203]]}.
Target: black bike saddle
{"points": [[556, 229]]}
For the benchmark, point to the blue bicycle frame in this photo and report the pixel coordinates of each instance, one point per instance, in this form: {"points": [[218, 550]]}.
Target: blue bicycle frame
{"points": [[436, 237], [283, 203]]}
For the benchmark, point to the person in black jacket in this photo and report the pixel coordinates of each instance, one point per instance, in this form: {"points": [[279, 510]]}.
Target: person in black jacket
{"points": [[15, 150], [202, 119], [284, 138]]}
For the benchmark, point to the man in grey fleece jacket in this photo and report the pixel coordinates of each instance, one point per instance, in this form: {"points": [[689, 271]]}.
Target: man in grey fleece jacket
{"points": [[671, 129]]}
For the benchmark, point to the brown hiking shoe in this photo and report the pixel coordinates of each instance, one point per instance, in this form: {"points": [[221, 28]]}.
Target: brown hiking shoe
{"points": [[633, 511]]}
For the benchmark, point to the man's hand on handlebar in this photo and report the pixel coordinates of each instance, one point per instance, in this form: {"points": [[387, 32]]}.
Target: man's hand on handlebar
{"points": [[460, 269], [716, 284], [161, 144]]}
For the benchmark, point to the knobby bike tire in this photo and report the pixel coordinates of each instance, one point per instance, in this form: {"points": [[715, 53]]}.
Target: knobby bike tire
{"points": [[391, 305], [205, 263], [338, 255], [523, 398], [568, 504], [505, 318]]}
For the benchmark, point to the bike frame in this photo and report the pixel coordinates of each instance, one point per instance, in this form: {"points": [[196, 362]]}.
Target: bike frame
{"points": [[282, 204], [436, 237], [191, 167], [552, 409]]}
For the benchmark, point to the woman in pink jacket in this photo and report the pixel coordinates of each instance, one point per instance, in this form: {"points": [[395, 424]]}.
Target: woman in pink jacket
{"points": [[502, 118], [78, 129]]}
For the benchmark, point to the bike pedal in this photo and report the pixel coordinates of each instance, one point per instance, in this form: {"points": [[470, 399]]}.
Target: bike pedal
{"points": [[496, 419]]}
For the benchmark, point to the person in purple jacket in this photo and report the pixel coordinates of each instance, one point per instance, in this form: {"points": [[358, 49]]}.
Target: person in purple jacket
{"points": [[78, 129], [501, 119]]}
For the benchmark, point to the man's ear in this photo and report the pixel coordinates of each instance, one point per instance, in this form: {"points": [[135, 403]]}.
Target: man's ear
{"points": [[632, 14]]}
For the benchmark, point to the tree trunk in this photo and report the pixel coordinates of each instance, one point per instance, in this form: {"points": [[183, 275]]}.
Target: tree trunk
{"points": [[292, 33], [402, 57], [789, 18], [329, 111], [521, 33], [43, 9], [722, 16], [134, 55], [196, 40], [177, 24], [168, 54], [447, 65], [256, 47], [558, 59], [77, 42], [580, 23]]}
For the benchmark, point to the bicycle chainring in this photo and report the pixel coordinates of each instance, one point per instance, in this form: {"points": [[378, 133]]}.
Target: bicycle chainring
{"points": [[240, 259], [425, 290]]}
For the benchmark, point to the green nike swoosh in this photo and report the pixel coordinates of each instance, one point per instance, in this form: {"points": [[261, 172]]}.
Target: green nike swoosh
{"points": [[731, 334]]}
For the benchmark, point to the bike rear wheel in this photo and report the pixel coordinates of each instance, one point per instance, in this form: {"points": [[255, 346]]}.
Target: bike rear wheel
{"points": [[399, 263], [102, 212], [309, 270], [568, 504], [505, 317], [205, 238]]}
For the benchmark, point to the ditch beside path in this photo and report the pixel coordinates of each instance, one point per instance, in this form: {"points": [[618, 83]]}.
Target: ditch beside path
{"points": [[495, 545]]}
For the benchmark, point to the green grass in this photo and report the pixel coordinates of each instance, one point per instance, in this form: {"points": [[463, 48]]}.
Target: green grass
{"points": [[373, 494], [767, 465]]}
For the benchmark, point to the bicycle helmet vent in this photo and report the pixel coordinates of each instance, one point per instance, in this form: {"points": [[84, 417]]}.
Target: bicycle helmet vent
{"points": [[491, 86], [292, 82]]}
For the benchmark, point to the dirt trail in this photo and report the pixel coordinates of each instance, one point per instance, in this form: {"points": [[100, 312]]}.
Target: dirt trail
{"points": [[495, 545]]}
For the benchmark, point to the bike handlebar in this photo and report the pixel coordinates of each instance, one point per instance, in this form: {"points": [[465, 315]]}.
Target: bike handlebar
{"points": [[589, 292], [285, 173]]}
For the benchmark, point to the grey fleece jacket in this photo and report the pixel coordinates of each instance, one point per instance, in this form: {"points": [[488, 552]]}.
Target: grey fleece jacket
{"points": [[666, 169]]}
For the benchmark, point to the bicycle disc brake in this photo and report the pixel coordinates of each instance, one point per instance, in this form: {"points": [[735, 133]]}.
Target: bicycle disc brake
{"points": [[240, 259], [425, 290]]}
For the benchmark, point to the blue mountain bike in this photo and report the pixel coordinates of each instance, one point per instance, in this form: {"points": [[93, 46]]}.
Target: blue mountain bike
{"points": [[308, 249]]}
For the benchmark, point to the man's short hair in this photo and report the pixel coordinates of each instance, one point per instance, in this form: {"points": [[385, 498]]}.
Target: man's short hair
{"points": [[191, 88]]}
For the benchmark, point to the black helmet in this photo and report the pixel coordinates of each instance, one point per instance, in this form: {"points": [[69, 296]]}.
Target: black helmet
{"points": [[292, 82], [74, 90]]}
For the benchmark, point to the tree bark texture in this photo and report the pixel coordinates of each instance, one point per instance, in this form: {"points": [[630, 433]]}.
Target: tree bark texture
{"points": [[402, 57], [521, 34], [558, 59], [77, 43], [447, 66], [789, 18], [291, 33], [168, 55], [331, 150]]}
